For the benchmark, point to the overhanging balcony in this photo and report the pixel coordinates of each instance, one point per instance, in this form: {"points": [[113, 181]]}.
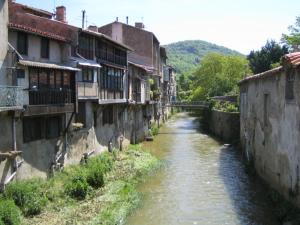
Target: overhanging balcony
{"points": [[87, 90], [11, 98]]}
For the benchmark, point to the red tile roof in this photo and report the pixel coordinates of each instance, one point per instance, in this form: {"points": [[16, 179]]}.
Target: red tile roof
{"points": [[20, 19], [262, 75], [292, 58]]}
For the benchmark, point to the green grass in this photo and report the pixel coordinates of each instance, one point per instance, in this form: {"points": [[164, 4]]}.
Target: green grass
{"points": [[100, 203]]}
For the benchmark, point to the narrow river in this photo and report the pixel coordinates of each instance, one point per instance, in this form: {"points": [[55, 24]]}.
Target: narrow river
{"points": [[202, 183]]}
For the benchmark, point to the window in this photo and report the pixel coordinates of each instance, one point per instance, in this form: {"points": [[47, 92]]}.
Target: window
{"points": [[81, 115], [37, 128], [49, 79], [67, 79], [53, 127], [43, 79], [87, 75], [45, 48], [22, 43], [20, 73], [108, 115], [32, 129], [86, 46], [111, 78], [289, 85]]}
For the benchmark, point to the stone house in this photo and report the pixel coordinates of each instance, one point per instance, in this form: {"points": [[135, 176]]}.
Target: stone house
{"points": [[39, 64], [146, 54], [102, 87], [270, 125]]}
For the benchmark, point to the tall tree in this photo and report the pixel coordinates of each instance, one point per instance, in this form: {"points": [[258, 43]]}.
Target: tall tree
{"points": [[265, 59], [218, 75], [293, 39]]}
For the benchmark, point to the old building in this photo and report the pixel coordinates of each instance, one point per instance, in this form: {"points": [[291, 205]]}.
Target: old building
{"points": [[103, 90], [270, 125], [11, 102], [168, 84], [146, 54], [139, 111], [40, 47]]}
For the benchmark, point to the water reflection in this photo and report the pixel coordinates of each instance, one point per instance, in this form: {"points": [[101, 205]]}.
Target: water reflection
{"points": [[204, 183]]}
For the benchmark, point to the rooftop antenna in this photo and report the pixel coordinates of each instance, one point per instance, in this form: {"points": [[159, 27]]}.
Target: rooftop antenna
{"points": [[83, 18]]}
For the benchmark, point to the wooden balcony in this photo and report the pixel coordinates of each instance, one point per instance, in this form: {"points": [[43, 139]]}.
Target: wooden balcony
{"points": [[87, 90], [50, 101], [11, 98], [51, 97]]}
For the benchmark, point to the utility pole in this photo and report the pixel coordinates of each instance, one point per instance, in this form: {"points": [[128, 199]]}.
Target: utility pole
{"points": [[83, 18]]}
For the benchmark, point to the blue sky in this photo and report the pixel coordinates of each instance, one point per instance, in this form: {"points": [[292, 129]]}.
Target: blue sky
{"points": [[242, 25]]}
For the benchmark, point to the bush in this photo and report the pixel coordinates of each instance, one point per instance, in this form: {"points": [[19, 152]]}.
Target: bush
{"points": [[106, 161], [27, 196], [9, 213], [94, 176], [154, 130], [77, 187], [225, 106]]}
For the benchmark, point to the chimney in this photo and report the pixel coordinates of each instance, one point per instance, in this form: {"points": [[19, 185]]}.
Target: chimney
{"points": [[139, 25], [117, 19], [93, 28], [127, 20], [61, 14]]}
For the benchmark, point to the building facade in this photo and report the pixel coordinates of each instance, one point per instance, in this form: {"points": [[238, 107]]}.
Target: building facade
{"points": [[270, 112], [68, 92]]}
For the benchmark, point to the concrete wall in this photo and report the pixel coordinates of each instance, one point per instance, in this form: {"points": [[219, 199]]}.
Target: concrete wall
{"points": [[270, 131], [3, 40], [225, 125]]}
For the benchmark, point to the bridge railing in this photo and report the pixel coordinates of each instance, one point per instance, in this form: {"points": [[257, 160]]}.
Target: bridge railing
{"points": [[189, 104]]}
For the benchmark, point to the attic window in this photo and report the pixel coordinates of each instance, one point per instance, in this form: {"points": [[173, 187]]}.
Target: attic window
{"points": [[289, 85]]}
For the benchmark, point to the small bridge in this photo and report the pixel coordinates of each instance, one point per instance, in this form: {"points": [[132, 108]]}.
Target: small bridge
{"points": [[185, 104]]}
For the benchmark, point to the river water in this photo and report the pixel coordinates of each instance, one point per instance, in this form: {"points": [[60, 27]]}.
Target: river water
{"points": [[203, 182]]}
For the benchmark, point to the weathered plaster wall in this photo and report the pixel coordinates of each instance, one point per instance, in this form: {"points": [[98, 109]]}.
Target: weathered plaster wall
{"points": [[225, 125], [270, 131]]}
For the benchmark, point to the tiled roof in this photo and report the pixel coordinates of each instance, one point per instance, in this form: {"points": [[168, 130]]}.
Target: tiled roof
{"points": [[262, 75], [36, 31], [98, 34], [47, 65], [292, 58], [20, 19], [145, 68]]}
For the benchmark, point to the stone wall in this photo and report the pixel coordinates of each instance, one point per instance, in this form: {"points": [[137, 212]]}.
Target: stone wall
{"points": [[270, 130], [225, 125]]}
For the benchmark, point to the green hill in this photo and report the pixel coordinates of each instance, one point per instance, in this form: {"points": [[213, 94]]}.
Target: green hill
{"points": [[184, 56]]}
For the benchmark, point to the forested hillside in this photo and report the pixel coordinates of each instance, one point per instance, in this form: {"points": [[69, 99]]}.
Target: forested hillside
{"points": [[186, 55]]}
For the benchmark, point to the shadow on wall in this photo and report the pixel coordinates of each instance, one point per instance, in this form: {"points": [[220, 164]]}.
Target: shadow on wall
{"points": [[247, 192]]}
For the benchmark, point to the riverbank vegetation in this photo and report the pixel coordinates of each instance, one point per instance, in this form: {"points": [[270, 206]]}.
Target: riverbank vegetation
{"points": [[101, 191], [224, 106]]}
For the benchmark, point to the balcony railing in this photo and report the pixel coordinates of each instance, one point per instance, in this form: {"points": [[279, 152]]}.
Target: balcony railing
{"points": [[110, 57], [87, 90], [51, 97], [11, 97]]}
